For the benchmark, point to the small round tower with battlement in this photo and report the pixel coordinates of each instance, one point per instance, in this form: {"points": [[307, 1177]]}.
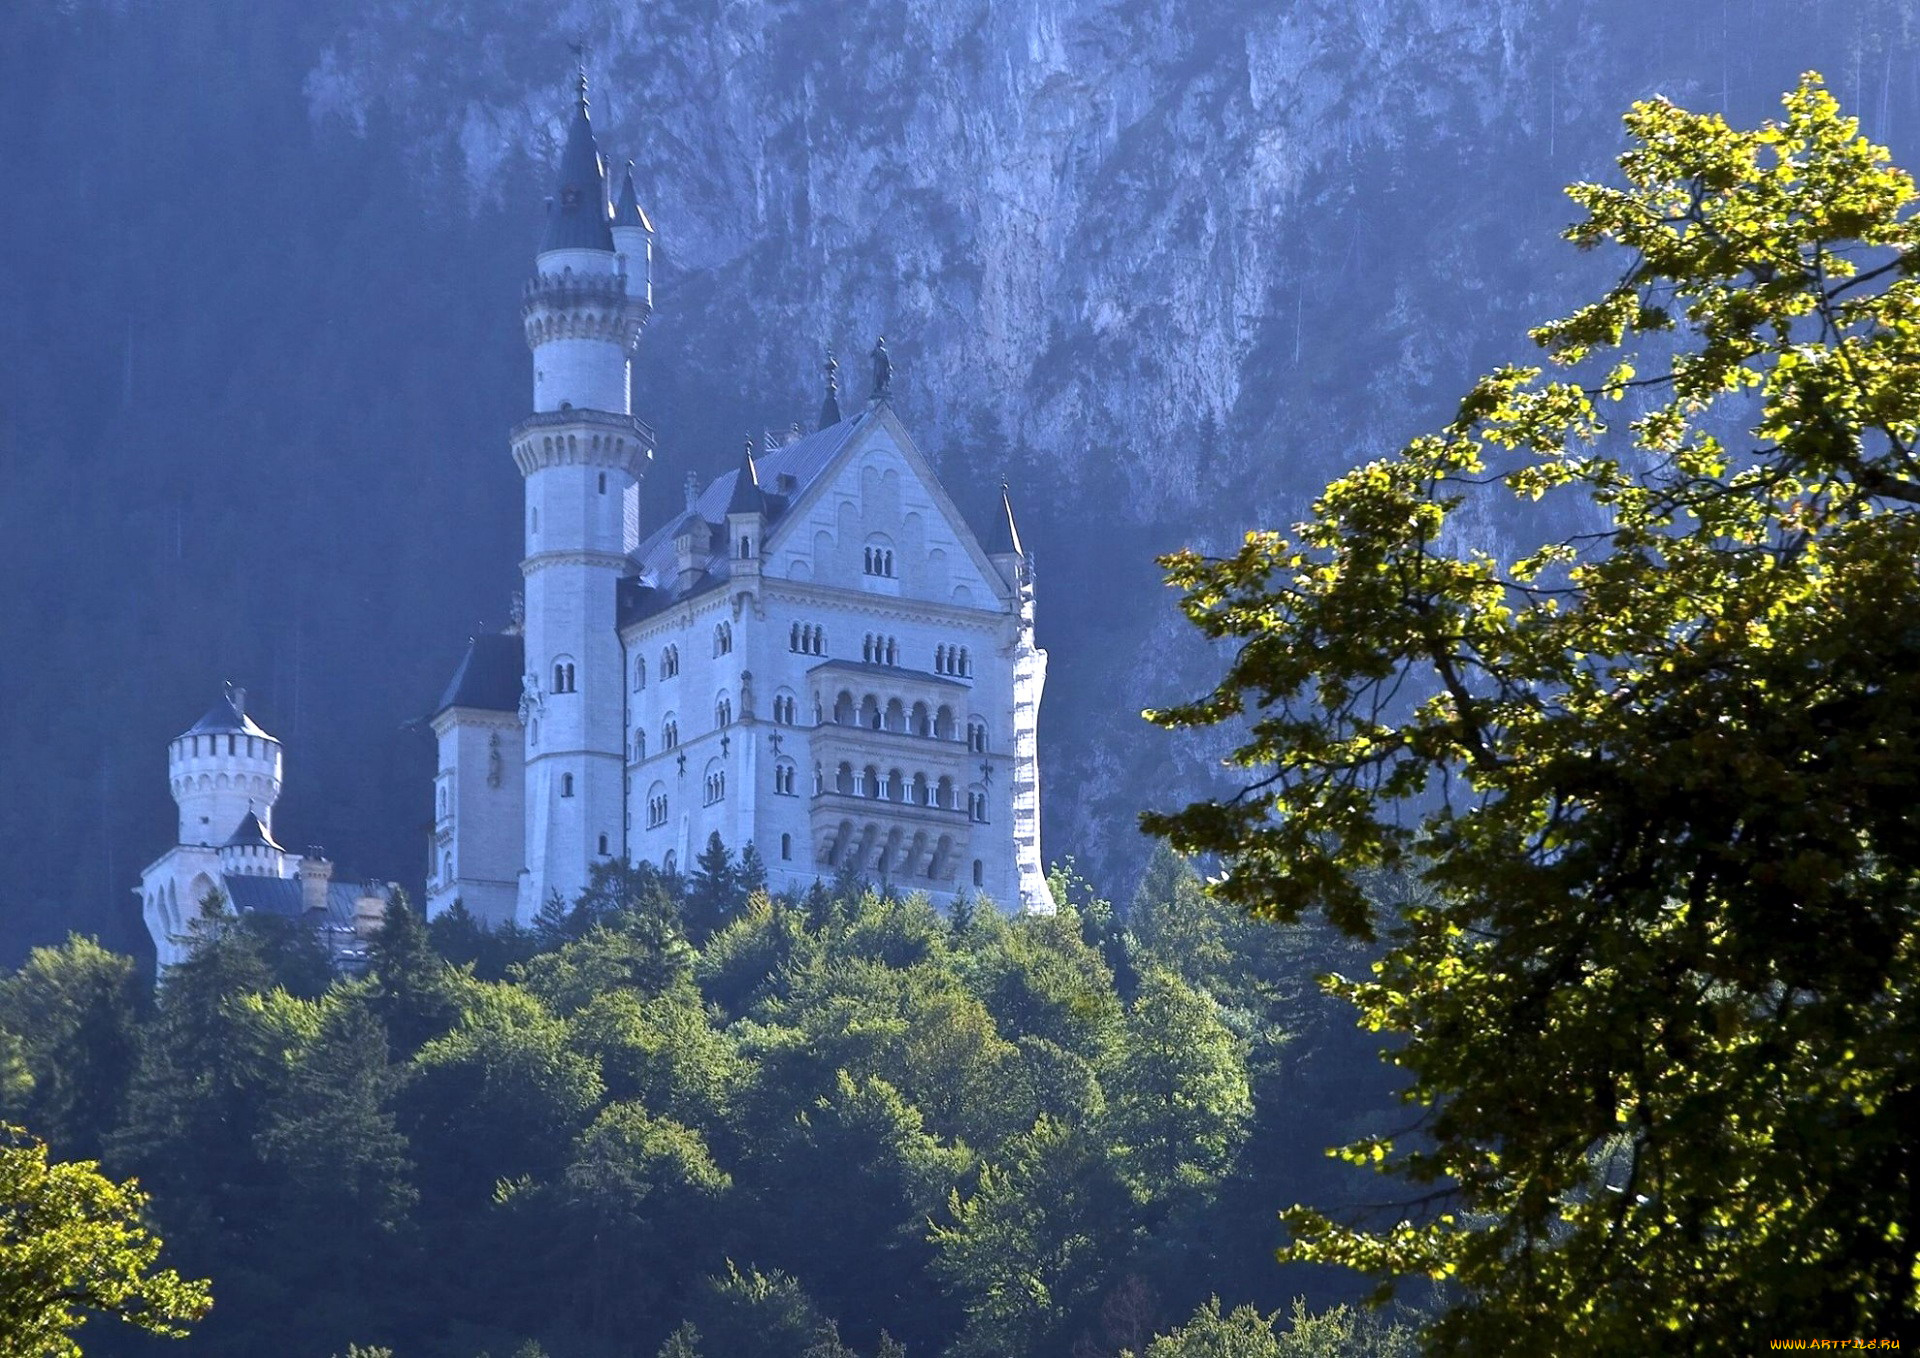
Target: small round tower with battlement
{"points": [[223, 771]]}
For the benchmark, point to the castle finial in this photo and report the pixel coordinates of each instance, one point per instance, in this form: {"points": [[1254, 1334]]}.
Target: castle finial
{"points": [[579, 50], [691, 489], [830, 406], [882, 371]]}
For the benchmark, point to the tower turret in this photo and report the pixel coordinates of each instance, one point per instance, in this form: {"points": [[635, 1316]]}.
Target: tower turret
{"points": [[222, 769], [633, 242], [746, 517], [250, 851], [581, 453]]}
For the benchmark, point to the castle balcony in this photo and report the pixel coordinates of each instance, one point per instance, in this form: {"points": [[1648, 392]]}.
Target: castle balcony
{"points": [[903, 842]]}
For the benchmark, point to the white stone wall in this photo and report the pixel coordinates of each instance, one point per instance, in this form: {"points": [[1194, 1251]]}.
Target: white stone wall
{"points": [[478, 846]]}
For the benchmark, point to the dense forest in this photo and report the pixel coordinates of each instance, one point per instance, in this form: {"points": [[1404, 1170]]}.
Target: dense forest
{"points": [[683, 1118]]}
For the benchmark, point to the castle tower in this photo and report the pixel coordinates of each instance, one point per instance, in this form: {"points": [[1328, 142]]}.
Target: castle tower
{"points": [[222, 769], [581, 453]]}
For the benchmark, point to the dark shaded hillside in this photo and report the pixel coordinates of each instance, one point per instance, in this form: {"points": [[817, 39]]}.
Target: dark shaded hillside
{"points": [[1167, 265]]}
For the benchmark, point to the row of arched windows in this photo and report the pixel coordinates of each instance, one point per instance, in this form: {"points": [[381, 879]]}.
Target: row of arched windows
{"points": [[805, 638], [563, 675], [880, 650], [952, 660], [784, 775], [895, 786], [919, 720], [879, 559], [716, 785], [783, 709], [722, 712], [657, 808]]}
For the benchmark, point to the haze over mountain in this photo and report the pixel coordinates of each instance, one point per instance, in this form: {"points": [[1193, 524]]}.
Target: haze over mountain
{"points": [[1164, 265]]}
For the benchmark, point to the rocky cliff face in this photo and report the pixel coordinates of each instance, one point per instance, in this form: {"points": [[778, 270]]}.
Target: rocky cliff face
{"points": [[1165, 265]]}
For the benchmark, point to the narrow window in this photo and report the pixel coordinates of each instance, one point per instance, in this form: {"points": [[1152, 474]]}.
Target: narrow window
{"points": [[566, 785], [979, 873], [603, 491], [786, 847], [603, 838]]}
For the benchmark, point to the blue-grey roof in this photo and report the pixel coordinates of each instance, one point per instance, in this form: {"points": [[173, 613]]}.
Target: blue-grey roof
{"points": [[892, 671], [228, 714], [628, 212], [785, 474], [251, 833], [577, 214], [1005, 537], [282, 896], [488, 677]]}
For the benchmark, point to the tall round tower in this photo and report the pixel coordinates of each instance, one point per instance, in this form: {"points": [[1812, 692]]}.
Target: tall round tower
{"points": [[221, 769], [580, 453]]}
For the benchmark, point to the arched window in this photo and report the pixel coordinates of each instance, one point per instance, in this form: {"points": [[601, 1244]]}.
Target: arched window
{"points": [[922, 720], [603, 491], [639, 673], [669, 733], [870, 712], [563, 674], [793, 637], [746, 547], [878, 557], [669, 662], [843, 780], [977, 806], [723, 639], [920, 794], [783, 708], [943, 723], [966, 664], [943, 795], [533, 732], [670, 864], [443, 803], [656, 805], [639, 745], [566, 785], [870, 782], [819, 781], [603, 846], [843, 709], [716, 782], [819, 641], [784, 775], [786, 847], [722, 711], [977, 736], [446, 868], [895, 717], [979, 873]]}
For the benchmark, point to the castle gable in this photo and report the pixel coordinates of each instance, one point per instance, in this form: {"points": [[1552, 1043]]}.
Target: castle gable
{"points": [[875, 518]]}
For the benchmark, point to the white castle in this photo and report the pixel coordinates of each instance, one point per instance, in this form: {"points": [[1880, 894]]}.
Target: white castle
{"points": [[225, 773], [815, 656]]}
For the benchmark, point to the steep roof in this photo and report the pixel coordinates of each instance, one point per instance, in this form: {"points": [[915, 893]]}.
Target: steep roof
{"points": [[746, 497], [227, 715], [577, 214], [628, 212], [252, 834], [784, 474], [1005, 537], [488, 677]]}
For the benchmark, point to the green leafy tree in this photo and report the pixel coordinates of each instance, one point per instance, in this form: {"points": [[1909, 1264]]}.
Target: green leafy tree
{"points": [[1340, 1332], [1178, 1088], [1657, 772], [73, 1246], [1031, 1242], [73, 1011]]}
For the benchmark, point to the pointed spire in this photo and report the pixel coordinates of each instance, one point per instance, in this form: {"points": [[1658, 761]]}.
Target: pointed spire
{"points": [[1004, 540], [882, 371], [691, 490], [577, 214], [628, 212], [830, 407], [746, 497]]}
